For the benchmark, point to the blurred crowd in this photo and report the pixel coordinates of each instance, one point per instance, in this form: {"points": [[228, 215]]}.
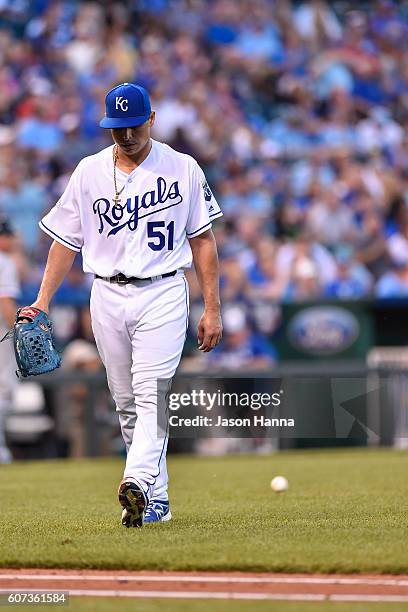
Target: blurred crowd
{"points": [[296, 111]]}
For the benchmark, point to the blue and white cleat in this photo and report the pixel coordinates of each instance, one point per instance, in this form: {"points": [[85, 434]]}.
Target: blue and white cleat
{"points": [[133, 501], [157, 511]]}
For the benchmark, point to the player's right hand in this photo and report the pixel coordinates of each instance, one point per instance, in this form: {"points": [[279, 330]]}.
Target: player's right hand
{"points": [[41, 306]]}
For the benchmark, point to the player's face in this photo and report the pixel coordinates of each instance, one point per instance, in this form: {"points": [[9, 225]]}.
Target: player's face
{"points": [[132, 140]]}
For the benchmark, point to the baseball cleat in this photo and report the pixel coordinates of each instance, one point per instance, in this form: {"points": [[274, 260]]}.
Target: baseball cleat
{"points": [[133, 501], [157, 511]]}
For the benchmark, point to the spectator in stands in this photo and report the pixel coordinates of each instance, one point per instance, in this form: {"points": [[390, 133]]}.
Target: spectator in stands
{"points": [[397, 244], [303, 284], [241, 349], [9, 291], [266, 281], [23, 200], [353, 280], [372, 246], [329, 221], [317, 23], [306, 249], [233, 277], [394, 283]]}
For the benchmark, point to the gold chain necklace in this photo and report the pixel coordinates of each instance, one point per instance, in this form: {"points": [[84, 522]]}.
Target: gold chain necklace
{"points": [[116, 199]]}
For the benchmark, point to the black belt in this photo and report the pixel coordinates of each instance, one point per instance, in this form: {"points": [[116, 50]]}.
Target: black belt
{"points": [[121, 279]]}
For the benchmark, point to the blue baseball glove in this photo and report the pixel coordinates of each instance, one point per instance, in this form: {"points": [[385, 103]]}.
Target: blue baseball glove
{"points": [[34, 343]]}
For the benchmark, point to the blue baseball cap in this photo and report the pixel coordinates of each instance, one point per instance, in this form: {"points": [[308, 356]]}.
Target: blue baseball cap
{"points": [[127, 105]]}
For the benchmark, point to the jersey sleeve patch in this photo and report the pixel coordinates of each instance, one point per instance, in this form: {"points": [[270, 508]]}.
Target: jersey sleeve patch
{"points": [[207, 192], [203, 205]]}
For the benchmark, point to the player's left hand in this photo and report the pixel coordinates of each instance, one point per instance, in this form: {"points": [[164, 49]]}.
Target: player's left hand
{"points": [[209, 330]]}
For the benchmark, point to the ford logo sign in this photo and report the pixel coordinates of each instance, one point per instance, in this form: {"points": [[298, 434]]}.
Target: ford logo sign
{"points": [[323, 330]]}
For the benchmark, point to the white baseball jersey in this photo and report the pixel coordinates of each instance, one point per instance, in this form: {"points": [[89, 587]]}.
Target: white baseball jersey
{"points": [[165, 201]]}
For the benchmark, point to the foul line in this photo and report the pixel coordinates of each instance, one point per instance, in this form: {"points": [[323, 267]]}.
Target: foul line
{"points": [[214, 579]]}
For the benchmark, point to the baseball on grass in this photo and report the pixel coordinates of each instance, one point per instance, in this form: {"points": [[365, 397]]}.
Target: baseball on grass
{"points": [[279, 484]]}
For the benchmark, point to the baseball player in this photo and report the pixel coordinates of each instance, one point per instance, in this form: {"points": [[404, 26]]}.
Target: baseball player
{"points": [[9, 290], [140, 212]]}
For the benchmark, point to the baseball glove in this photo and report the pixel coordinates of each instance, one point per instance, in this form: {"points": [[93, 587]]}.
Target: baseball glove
{"points": [[34, 343]]}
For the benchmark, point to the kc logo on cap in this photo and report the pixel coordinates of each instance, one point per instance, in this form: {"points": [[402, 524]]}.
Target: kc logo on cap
{"points": [[127, 105], [123, 103]]}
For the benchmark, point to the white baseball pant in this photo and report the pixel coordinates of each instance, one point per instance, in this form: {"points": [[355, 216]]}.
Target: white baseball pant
{"points": [[140, 329]]}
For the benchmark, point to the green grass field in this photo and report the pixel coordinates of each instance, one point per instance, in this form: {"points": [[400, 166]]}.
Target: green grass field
{"points": [[345, 511]]}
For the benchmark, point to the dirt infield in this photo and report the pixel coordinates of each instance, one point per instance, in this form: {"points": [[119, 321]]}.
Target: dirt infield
{"points": [[211, 585]]}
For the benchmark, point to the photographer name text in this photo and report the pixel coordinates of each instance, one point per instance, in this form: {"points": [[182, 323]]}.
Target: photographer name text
{"points": [[206, 421]]}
